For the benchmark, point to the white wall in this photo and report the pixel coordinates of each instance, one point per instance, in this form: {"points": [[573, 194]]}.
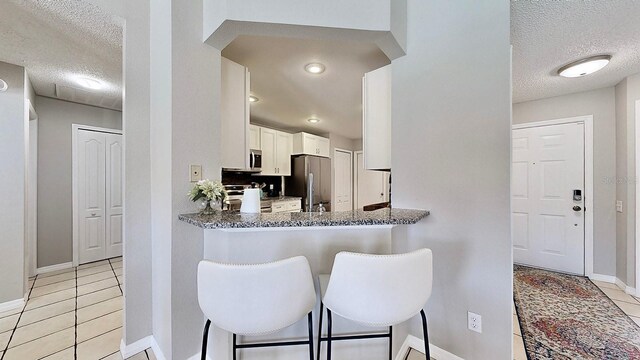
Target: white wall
{"points": [[601, 104], [451, 155], [55, 223], [13, 157]]}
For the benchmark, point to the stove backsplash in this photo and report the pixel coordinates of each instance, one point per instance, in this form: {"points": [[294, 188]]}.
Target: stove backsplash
{"points": [[243, 178]]}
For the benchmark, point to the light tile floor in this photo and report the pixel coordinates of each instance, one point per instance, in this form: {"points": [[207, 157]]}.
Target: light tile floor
{"points": [[629, 304], [72, 314]]}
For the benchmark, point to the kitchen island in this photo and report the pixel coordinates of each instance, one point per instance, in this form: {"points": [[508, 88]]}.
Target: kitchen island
{"points": [[257, 238]]}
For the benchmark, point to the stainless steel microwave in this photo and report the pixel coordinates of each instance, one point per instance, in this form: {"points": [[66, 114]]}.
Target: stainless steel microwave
{"points": [[255, 160]]}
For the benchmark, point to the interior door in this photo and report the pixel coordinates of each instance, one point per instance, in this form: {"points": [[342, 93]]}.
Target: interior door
{"points": [[91, 196], [547, 221], [113, 195], [343, 180]]}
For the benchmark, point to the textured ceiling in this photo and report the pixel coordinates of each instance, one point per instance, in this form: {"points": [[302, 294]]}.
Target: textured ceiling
{"points": [[56, 40], [547, 34], [289, 95]]}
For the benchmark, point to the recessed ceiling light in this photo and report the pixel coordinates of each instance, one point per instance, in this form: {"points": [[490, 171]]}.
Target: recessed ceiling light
{"points": [[253, 98], [584, 66], [3, 85], [313, 120], [89, 83], [315, 68]]}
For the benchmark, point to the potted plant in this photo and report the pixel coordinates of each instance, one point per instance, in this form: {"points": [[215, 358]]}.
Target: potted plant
{"points": [[210, 191]]}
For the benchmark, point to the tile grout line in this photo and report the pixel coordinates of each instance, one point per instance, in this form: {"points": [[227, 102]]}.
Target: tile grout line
{"points": [[116, 276], [6, 349], [89, 283], [81, 276], [57, 302]]}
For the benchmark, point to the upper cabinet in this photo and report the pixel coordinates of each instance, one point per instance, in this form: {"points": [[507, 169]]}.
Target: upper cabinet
{"points": [[276, 149], [254, 137], [234, 106], [376, 124], [309, 144]]}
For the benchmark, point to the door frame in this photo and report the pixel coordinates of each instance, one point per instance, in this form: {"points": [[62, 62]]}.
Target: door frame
{"points": [[74, 178], [354, 161], [334, 198], [32, 194], [587, 120], [637, 264]]}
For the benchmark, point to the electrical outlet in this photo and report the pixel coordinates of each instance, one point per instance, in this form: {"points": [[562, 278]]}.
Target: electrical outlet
{"points": [[195, 173], [619, 206], [474, 322]]}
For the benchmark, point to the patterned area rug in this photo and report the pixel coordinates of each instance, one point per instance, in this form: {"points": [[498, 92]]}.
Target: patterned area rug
{"points": [[568, 317]]}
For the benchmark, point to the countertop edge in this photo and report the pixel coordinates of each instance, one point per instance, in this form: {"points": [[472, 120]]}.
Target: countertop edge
{"points": [[352, 218]]}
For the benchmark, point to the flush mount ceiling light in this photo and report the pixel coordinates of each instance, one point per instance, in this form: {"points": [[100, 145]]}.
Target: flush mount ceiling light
{"points": [[584, 66], [253, 98], [313, 120], [3, 85], [89, 83], [314, 68]]}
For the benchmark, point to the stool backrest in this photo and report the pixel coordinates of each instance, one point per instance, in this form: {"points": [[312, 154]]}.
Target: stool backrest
{"points": [[379, 290], [256, 299]]}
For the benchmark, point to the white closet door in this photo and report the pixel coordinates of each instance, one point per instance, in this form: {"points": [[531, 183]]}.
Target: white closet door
{"points": [[113, 195], [91, 196]]}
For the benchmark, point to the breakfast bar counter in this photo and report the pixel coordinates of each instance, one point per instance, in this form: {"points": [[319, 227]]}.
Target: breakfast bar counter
{"points": [[232, 220], [234, 238]]}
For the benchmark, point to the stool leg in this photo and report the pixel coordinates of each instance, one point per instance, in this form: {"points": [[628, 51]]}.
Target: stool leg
{"points": [[427, 352], [235, 349], [329, 334], [390, 342], [310, 336], [320, 330], [205, 337]]}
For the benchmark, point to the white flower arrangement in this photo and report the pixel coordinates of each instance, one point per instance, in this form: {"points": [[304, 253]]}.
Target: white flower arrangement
{"points": [[209, 190]]}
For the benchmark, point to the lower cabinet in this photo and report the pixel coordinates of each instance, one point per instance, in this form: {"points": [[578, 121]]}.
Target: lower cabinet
{"points": [[286, 206]]}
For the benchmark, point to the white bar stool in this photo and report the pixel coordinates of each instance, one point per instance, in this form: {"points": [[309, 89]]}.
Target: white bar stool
{"points": [[256, 299], [377, 291]]}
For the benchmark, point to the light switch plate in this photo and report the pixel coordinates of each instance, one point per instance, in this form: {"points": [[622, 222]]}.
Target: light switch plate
{"points": [[195, 173], [619, 206]]}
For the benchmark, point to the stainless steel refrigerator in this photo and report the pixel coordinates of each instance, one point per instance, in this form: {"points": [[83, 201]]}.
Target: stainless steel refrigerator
{"points": [[310, 179]]}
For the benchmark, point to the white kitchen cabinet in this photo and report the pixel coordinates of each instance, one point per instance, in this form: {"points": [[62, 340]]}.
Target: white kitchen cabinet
{"points": [[254, 137], [309, 144], [286, 206], [276, 149], [376, 123], [371, 187], [234, 106]]}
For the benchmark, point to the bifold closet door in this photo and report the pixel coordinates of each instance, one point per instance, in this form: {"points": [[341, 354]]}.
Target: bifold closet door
{"points": [[113, 195], [100, 195], [91, 196]]}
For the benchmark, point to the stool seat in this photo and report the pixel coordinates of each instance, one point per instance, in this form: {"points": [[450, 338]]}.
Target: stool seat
{"points": [[256, 299], [376, 290]]}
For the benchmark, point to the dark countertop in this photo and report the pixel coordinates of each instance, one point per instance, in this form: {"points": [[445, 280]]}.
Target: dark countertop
{"points": [[229, 220]]}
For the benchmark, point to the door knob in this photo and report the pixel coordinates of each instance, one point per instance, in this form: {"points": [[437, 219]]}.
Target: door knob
{"points": [[577, 208]]}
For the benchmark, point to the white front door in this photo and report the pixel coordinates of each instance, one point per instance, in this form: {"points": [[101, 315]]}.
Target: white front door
{"points": [[99, 194], [343, 180], [547, 221]]}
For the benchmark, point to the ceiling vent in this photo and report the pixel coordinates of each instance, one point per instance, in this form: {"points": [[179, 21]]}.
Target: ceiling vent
{"points": [[81, 96]]}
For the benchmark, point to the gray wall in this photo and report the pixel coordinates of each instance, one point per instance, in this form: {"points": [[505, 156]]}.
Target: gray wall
{"points": [[601, 104], [451, 154], [55, 117], [13, 137], [627, 92]]}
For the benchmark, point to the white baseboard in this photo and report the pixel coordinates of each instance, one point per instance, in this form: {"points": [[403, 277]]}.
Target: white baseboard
{"points": [[614, 280], [418, 344], [141, 345], [50, 268], [11, 305]]}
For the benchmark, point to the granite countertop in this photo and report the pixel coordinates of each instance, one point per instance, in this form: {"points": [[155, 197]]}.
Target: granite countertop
{"points": [[229, 220]]}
